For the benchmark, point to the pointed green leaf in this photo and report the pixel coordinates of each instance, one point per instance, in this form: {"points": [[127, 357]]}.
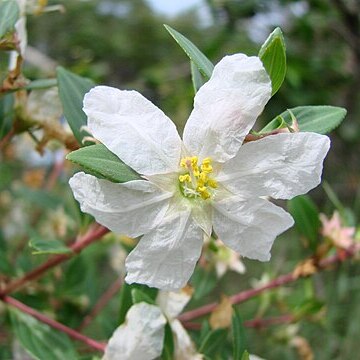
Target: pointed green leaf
{"points": [[39, 340], [72, 89], [200, 60], [138, 296], [6, 113], [101, 162], [320, 119], [42, 246], [213, 342], [239, 339], [9, 14], [245, 356], [196, 77], [41, 84], [306, 216], [273, 56], [168, 348]]}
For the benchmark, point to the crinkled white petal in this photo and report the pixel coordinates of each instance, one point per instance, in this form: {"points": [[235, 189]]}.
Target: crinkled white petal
{"points": [[173, 303], [140, 337], [250, 227], [282, 166], [226, 107], [134, 129], [184, 348], [132, 208], [165, 257]]}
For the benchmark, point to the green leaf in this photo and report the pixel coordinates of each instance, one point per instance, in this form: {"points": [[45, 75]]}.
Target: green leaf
{"points": [[101, 162], [41, 84], [138, 296], [200, 60], [203, 281], [197, 79], [127, 298], [213, 342], [9, 14], [72, 89], [168, 348], [273, 56], [39, 340], [306, 216], [42, 246], [245, 356], [239, 339], [6, 113], [320, 119]]}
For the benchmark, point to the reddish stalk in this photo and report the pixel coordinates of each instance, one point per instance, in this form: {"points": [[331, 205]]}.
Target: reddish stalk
{"points": [[254, 323], [101, 303], [281, 280], [55, 173], [7, 138], [93, 234], [54, 324]]}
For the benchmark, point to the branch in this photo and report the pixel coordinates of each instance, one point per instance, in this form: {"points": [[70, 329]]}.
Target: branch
{"points": [[93, 234], [254, 323], [101, 303], [54, 324], [281, 280]]}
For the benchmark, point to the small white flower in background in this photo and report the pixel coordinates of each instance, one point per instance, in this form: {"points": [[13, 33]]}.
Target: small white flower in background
{"points": [[341, 236], [141, 336], [208, 181], [138, 338], [227, 259]]}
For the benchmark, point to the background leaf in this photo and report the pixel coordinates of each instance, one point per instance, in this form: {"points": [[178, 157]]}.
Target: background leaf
{"points": [[239, 339], [213, 342], [72, 89], [168, 349], [101, 162], [9, 14], [200, 60], [39, 340], [273, 56], [42, 246], [306, 216], [320, 119]]}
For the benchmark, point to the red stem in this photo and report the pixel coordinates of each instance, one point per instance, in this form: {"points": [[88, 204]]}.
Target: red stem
{"points": [[281, 280], [54, 324], [101, 303], [254, 323], [93, 234], [7, 138]]}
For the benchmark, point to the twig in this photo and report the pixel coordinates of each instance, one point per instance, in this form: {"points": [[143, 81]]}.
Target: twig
{"points": [[101, 303], [253, 323], [7, 138], [281, 280], [93, 234], [54, 324]]}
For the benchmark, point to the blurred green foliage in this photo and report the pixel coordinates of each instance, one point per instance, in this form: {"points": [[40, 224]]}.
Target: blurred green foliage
{"points": [[123, 43]]}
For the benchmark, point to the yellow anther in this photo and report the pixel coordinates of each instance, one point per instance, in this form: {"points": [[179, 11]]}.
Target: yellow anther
{"points": [[196, 182], [212, 183], [185, 178]]}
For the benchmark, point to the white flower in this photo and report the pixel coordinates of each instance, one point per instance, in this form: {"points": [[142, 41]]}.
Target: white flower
{"points": [[140, 337], [208, 181]]}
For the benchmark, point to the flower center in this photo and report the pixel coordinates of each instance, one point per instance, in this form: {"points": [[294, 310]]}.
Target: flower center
{"points": [[196, 182]]}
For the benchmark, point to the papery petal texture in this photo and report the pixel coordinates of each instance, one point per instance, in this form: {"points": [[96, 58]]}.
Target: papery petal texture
{"points": [[250, 227], [173, 303], [134, 129], [226, 107], [282, 166], [140, 337], [165, 257], [131, 208]]}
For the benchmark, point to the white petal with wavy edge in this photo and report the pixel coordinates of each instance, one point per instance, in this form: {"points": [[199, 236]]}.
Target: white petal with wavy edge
{"points": [[134, 129], [250, 227], [132, 208], [140, 337], [282, 166], [165, 258], [226, 107], [173, 303]]}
